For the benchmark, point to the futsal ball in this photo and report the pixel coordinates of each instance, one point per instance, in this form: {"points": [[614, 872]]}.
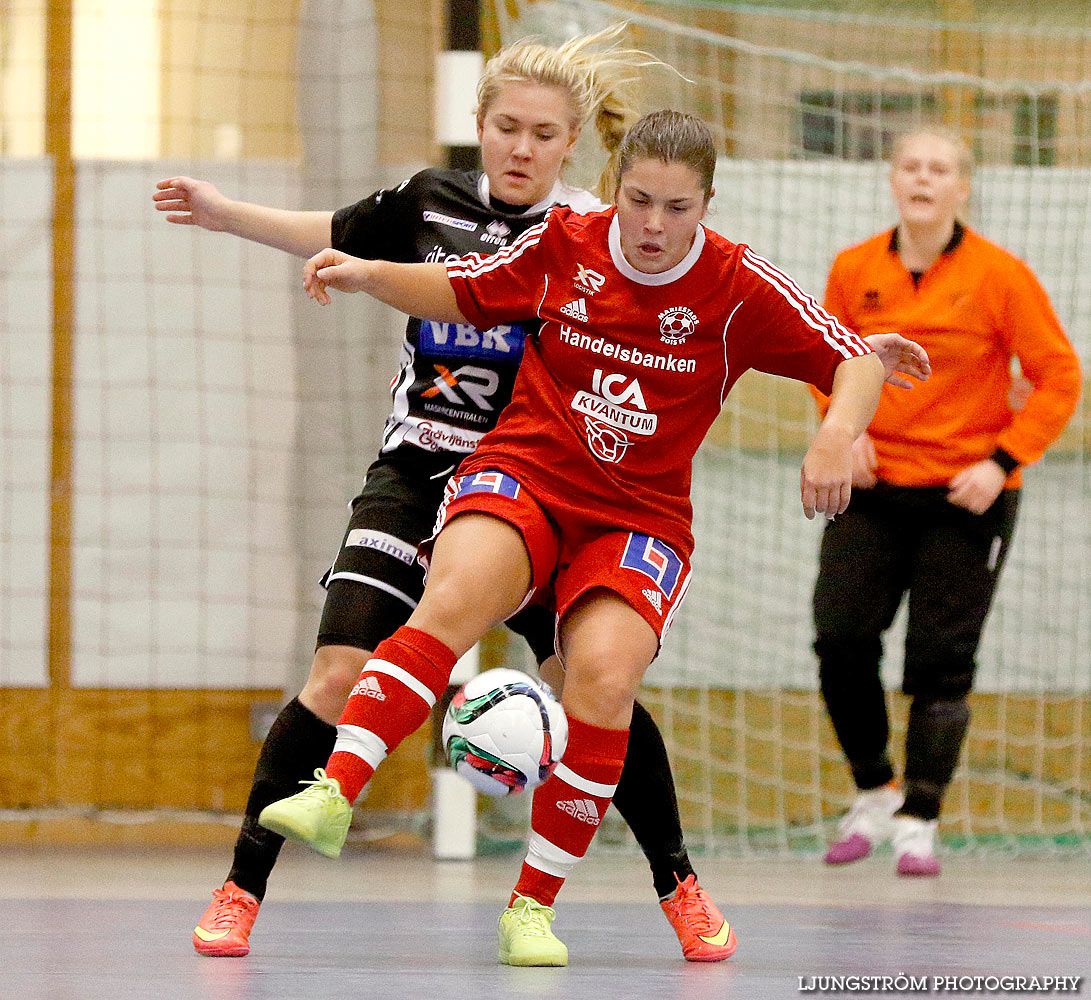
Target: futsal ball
{"points": [[504, 732]]}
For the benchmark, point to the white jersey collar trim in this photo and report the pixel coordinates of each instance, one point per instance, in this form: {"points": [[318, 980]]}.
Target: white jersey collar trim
{"points": [[555, 196], [664, 277]]}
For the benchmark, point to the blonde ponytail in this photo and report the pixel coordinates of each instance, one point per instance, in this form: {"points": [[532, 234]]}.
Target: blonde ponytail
{"points": [[599, 76]]}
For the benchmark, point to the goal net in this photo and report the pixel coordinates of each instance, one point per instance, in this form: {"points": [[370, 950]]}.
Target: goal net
{"points": [[804, 106]]}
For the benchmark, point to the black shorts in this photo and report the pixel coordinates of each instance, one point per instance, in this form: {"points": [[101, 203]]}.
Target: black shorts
{"points": [[375, 581]]}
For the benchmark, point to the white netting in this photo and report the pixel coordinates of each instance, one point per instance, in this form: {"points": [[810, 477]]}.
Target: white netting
{"points": [[805, 104]]}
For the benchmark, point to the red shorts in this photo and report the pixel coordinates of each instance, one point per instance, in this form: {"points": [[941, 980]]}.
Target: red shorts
{"points": [[566, 559]]}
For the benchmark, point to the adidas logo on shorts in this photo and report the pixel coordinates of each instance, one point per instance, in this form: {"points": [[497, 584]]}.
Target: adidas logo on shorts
{"points": [[584, 810], [576, 309], [369, 688], [655, 598]]}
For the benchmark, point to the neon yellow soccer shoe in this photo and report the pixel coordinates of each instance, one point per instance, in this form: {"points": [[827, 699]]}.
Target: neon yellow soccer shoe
{"points": [[525, 935], [319, 816]]}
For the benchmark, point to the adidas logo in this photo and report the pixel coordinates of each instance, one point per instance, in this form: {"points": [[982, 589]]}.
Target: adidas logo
{"points": [[369, 688], [655, 598], [576, 309], [584, 810]]}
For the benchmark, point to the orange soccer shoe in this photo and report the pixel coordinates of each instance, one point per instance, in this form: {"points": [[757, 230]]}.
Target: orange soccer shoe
{"points": [[702, 931], [224, 930]]}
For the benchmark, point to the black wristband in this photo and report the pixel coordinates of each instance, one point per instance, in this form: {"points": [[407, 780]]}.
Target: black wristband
{"points": [[1005, 461]]}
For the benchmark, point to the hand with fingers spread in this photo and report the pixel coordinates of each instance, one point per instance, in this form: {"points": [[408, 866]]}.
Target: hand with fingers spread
{"points": [[900, 357]]}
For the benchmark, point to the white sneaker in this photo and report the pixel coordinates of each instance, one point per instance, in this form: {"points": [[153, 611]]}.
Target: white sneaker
{"points": [[867, 823], [915, 845]]}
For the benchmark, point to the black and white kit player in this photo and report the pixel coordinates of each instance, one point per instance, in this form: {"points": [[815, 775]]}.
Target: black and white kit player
{"points": [[452, 383]]}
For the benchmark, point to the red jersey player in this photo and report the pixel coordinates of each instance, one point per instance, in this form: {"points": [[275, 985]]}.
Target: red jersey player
{"points": [[579, 497]]}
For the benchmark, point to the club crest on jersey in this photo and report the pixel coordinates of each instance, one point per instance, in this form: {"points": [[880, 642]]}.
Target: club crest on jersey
{"points": [[449, 220], [496, 232], [588, 281], [677, 323]]}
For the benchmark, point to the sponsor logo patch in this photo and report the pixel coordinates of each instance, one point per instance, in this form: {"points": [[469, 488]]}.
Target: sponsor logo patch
{"points": [[449, 220], [584, 810], [466, 383], [497, 233], [654, 598], [576, 309], [486, 482], [632, 355], [587, 280], [369, 687], [613, 409], [459, 340], [655, 559], [380, 541]]}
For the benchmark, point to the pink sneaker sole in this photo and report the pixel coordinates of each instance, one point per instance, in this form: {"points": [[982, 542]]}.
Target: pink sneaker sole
{"points": [[850, 849], [910, 864]]}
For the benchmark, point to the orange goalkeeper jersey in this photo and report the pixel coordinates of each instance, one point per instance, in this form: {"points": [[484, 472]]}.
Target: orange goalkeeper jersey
{"points": [[973, 310]]}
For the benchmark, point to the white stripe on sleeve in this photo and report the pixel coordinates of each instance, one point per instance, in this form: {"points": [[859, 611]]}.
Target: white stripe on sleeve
{"points": [[846, 343]]}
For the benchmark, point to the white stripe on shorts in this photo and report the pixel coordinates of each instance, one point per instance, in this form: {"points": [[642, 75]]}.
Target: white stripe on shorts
{"points": [[411, 682], [548, 857], [567, 775], [362, 743]]}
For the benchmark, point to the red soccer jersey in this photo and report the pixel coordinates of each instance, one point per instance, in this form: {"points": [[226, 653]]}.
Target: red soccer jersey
{"points": [[628, 370]]}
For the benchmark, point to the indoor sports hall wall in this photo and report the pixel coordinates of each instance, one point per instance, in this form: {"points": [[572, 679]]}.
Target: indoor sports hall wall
{"points": [[158, 591], [156, 607]]}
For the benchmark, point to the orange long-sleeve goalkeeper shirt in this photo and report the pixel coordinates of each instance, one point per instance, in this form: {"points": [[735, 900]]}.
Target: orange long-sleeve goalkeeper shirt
{"points": [[974, 309]]}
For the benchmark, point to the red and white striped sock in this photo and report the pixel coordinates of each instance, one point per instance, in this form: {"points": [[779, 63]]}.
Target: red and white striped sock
{"points": [[568, 808], [394, 695]]}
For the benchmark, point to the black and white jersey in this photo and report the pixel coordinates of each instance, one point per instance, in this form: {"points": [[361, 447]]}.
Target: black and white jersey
{"points": [[453, 380]]}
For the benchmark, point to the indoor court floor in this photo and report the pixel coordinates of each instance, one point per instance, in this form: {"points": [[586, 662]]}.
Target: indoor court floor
{"points": [[116, 925]]}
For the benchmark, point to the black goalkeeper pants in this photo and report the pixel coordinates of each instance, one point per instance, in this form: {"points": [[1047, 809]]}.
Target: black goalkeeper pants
{"points": [[894, 541]]}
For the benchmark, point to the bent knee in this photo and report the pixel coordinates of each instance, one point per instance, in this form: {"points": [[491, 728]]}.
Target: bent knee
{"points": [[334, 671], [601, 698]]}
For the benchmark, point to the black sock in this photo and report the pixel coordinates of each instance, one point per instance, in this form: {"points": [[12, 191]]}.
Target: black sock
{"points": [[646, 799], [298, 742]]}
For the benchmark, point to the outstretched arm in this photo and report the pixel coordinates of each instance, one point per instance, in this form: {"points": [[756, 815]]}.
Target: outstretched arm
{"points": [[417, 289], [191, 202], [826, 477]]}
